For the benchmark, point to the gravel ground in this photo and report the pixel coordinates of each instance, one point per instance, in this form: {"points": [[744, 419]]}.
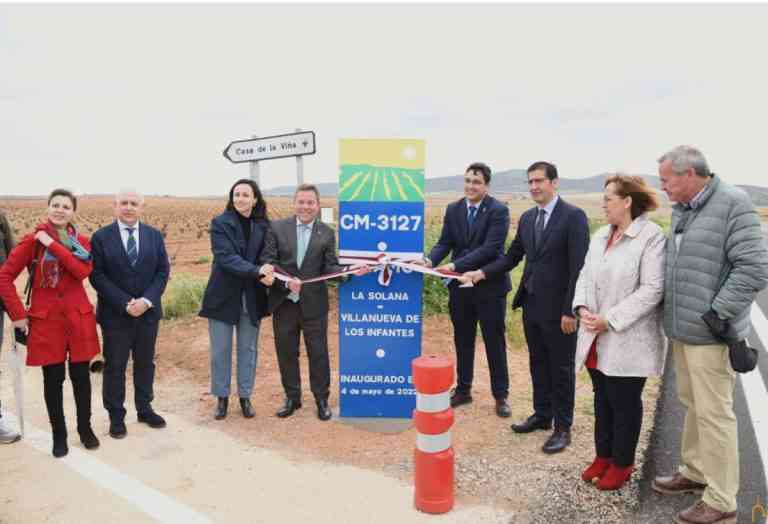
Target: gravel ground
{"points": [[494, 466]]}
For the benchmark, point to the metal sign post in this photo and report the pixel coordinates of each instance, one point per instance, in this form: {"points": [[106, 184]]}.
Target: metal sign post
{"points": [[254, 168], [299, 167]]}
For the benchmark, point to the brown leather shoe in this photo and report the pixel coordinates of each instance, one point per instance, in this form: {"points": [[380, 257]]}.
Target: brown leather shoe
{"points": [[677, 484], [703, 513]]}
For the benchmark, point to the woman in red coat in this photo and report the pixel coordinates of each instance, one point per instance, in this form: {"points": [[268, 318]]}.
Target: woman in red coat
{"points": [[60, 322]]}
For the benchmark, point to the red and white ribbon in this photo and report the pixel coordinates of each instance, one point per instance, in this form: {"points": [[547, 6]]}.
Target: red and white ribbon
{"points": [[381, 262]]}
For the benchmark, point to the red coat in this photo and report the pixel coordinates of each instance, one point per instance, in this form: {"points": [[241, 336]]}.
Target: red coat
{"points": [[61, 318]]}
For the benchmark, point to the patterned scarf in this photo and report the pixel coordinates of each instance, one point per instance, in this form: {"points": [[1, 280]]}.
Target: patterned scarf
{"points": [[50, 269]]}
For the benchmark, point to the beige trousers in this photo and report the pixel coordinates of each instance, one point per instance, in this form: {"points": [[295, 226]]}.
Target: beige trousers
{"points": [[710, 452]]}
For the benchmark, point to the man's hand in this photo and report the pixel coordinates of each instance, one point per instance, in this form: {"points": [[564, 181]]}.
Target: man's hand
{"points": [[266, 269], [22, 323], [295, 285], [44, 238], [268, 280], [475, 276], [360, 269], [568, 324], [423, 262], [137, 307], [447, 267]]}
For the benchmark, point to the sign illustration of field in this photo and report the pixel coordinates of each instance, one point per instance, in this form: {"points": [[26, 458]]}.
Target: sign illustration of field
{"points": [[381, 171]]}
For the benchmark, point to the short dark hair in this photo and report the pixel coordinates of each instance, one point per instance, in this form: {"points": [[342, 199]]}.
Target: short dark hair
{"points": [[307, 187], [549, 169], [65, 193], [643, 196], [259, 210], [478, 168]]}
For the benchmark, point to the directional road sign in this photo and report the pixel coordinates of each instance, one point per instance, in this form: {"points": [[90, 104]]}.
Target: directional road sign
{"points": [[264, 148]]}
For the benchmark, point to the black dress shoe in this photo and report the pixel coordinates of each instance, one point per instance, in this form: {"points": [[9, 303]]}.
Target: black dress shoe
{"points": [[247, 409], [556, 443], [458, 398], [152, 419], [221, 408], [117, 429], [323, 411], [60, 447], [532, 423], [502, 408], [88, 438], [288, 408]]}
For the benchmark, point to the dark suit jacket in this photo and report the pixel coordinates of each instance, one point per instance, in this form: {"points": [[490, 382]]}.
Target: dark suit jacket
{"points": [[320, 259], [235, 269], [473, 249], [555, 265], [117, 282]]}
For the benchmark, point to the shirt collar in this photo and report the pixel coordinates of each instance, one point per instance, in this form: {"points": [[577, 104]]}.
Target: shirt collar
{"points": [[475, 204], [123, 226], [300, 223], [694, 203], [551, 206]]}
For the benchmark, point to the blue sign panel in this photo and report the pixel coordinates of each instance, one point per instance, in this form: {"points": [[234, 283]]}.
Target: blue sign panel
{"points": [[393, 227], [380, 334]]}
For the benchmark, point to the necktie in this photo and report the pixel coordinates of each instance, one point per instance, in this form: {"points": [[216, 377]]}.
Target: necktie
{"points": [[131, 248], [471, 216], [538, 229], [302, 241]]}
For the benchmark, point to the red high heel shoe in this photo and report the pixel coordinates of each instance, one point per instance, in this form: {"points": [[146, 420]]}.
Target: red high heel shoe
{"points": [[614, 478], [596, 470]]}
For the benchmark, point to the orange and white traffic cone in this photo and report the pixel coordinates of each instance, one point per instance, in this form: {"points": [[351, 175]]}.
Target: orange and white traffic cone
{"points": [[433, 418]]}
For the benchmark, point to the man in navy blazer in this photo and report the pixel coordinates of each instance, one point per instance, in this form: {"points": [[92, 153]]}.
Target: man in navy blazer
{"points": [[130, 271], [553, 237], [474, 231]]}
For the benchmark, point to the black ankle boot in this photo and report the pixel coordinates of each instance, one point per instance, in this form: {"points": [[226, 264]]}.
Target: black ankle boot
{"points": [[88, 438], [221, 408], [60, 447], [245, 406]]}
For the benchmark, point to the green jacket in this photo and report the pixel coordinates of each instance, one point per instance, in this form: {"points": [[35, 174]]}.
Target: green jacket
{"points": [[7, 242], [721, 264]]}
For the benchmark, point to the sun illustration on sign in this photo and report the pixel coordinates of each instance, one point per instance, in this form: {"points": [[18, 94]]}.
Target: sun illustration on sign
{"points": [[365, 182], [409, 153]]}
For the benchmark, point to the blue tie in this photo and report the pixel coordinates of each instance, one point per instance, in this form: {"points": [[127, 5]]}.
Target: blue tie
{"points": [[131, 248], [471, 216]]}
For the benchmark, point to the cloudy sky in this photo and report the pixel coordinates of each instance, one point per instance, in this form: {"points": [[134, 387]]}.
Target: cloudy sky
{"points": [[98, 96]]}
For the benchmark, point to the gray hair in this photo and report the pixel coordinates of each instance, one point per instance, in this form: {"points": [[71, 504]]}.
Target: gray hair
{"points": [[129, 191], [683, 158]]}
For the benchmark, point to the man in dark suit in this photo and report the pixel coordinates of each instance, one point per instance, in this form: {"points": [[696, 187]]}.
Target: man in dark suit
{"points": [[304, 247], [474, 231], [553, 237], [130, 271]]}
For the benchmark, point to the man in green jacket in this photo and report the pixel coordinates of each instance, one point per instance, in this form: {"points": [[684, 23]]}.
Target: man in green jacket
{"points": [[716, 264], [7, 435]]}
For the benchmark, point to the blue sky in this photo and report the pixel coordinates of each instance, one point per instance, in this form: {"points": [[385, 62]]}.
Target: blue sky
{"points": [[97, 96]]}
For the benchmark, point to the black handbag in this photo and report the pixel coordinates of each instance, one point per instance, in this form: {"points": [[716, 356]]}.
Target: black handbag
{"points": [[743, 358], [19, 334]]}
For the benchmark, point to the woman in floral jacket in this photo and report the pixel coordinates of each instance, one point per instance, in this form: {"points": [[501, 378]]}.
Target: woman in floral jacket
{"points": [[60, 321], [620, 339]]}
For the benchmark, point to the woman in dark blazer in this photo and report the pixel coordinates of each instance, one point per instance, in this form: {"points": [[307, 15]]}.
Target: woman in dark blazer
{"points": [[236, 297], [60, 322]]}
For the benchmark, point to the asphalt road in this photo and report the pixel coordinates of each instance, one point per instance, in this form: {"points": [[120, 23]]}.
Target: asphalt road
{"points": [[663, 452]]}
